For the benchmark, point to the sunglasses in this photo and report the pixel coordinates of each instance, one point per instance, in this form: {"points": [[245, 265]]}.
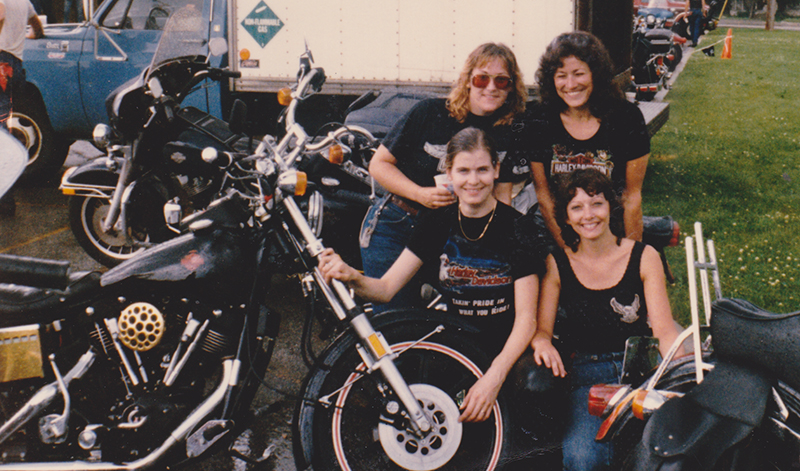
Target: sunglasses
{"points": [[501, 82]]}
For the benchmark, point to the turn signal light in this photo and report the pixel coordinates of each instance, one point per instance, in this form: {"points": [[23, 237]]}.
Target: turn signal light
{"points": [[602, 397], [302, 184], [284, 96], [336, 154]]}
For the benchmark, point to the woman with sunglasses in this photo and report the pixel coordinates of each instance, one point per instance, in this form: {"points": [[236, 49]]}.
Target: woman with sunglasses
{"points": [[610, 288], [488, 95], [584, 121], [485, 274]]}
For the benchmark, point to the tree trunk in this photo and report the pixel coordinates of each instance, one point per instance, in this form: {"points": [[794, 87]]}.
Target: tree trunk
{"points": [[772, 7]]}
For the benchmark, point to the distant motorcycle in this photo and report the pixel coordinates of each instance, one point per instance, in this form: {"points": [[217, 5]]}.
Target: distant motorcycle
{"points": [[656, 51]]}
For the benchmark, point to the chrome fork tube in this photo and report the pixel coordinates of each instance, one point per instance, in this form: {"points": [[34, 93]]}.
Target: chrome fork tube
{"points": [[122, 182]]}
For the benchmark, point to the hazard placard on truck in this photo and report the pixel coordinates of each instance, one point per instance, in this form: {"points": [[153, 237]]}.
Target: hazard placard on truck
{"points": [[369, 44]]}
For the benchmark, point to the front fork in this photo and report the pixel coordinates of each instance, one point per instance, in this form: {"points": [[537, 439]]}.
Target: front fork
{"points": [[378, 355], [116, 209]]}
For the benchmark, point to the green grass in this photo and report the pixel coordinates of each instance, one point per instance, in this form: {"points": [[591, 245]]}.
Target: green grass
{"points": [[729, 157]]}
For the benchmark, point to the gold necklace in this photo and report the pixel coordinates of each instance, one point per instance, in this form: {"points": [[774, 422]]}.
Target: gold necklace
{"points": [[484, 227]]}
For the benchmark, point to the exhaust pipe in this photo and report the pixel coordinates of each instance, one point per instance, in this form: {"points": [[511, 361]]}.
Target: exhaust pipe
{"points": [[229, 378]]}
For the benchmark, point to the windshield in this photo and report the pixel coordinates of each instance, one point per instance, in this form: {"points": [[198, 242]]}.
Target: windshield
{"points": [[184, 35]]}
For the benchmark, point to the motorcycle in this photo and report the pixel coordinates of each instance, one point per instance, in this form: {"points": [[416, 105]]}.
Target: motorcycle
{"points": [[153, 149], [155, 362], [656, 52], [709, 22], [732, 404]]}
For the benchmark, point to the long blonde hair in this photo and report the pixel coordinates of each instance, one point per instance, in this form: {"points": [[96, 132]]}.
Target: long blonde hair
{"points": [[458, 99]]}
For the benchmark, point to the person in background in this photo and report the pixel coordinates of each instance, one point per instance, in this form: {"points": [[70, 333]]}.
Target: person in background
{"points": [[610, 288], [15, 16], [584, 121], [69, 7], [489, 95], [485, 275], [696, 9]]}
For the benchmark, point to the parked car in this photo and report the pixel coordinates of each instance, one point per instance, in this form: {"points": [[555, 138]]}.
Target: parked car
{"points": [[663, 10]]}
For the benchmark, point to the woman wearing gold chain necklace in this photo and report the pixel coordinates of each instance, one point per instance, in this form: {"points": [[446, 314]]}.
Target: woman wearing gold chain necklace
{"points": [[485, 275]]}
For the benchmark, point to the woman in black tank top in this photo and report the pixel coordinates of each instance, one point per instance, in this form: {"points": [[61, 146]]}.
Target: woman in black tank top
{"points": [[610, 288]]}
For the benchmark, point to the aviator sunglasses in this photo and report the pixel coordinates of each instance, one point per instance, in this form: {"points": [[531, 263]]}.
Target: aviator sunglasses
{"points": [[501, 82]]}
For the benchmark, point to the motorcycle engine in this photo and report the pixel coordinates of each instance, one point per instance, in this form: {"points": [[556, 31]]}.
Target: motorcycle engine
{"points": [[157, 358]]}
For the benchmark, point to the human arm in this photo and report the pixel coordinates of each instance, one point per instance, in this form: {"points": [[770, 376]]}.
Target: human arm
{"points": [[480, 399], [37, 30], [379, 290], [542, 344], [632, 196], [546, 203], [659, 314], [383, 168]]}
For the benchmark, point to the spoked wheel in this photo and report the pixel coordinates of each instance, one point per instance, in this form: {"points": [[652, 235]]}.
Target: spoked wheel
{"points": [[366, 428], [109, 248]]}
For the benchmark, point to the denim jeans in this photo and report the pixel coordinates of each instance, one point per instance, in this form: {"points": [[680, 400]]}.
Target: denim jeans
{"points": [[384, 234], [695, 22], [581, 452]]}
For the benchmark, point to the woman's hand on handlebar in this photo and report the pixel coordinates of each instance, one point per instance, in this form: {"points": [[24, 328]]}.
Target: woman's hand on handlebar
{"points": [[434, 197], [334, 268]]}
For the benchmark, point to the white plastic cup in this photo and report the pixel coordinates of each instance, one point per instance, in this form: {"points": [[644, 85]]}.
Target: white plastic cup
{"points": [[443, 181]]}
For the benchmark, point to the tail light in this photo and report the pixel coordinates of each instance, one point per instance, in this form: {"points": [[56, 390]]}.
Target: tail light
{"points": [[603, 398], [670, 57], [676, 232]]}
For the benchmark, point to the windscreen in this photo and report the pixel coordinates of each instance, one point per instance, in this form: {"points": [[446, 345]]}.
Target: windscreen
{"points": [[184, 35]]}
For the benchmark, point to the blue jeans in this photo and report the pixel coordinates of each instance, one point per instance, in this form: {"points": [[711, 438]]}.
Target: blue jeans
{"points": [[581, 451], [384, 233], [696, 22]]}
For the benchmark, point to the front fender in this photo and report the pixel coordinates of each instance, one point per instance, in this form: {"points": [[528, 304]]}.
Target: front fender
{"points": [[93, 179]]}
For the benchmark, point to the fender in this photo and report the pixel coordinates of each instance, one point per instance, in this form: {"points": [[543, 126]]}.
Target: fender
{"points": [[94, 179], [423, 321]]}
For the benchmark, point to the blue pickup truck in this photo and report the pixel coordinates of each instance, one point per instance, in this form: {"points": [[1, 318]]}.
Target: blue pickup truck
{"points": [[74, 67]]}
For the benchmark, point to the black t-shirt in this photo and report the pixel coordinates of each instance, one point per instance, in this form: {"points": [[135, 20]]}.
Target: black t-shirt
{"points": [[622, 137], [600, 321], [695, 4], [476, 277], [419, 140]]}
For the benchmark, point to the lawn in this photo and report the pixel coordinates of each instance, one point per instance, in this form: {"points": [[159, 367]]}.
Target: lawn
{"points": [[729, 157]]}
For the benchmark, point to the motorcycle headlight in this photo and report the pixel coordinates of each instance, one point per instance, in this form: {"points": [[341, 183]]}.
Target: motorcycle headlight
{"points": [[651, 19], [103, 136]]}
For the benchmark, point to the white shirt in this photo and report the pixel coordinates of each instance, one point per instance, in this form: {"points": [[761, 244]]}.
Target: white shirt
{"points": [[12, 34]]}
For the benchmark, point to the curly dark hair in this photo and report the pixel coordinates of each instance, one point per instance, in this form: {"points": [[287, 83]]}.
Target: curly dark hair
{"points": [[593, 182], [458, 99], [588, 49]]}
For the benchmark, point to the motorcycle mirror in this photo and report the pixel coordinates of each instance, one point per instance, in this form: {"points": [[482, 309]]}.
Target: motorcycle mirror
{"points": [[217, 46], [12, 163]]}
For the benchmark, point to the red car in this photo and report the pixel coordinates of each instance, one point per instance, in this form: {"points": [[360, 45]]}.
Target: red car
{"points": [[676, 6]]}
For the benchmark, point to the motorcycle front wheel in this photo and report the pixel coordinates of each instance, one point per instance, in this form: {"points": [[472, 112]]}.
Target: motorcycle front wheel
{"points": [[109, 248], [365, 428]]}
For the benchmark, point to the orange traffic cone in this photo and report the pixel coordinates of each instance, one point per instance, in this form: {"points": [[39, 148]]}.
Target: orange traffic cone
{"points": [[728, 47]]}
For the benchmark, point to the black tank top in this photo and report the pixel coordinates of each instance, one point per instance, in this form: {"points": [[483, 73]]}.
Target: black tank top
{"points": [[599, 321]]}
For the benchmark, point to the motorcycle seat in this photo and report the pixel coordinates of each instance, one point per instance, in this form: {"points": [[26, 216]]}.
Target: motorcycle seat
{"points": [[26, 305], [746, 334], [663, 34]]}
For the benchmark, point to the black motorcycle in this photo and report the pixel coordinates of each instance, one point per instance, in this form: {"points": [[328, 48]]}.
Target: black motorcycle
{"points": [[655, 54], [732, 404], [155, 363]]}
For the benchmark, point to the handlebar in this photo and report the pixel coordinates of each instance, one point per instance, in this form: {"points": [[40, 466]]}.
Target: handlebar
{"points": [[221, 74]]}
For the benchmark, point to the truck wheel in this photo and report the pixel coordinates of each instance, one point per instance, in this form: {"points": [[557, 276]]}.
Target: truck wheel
{"points": [[31, 126]]}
